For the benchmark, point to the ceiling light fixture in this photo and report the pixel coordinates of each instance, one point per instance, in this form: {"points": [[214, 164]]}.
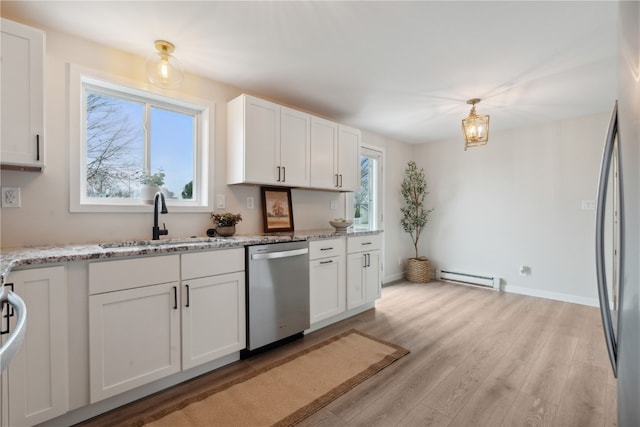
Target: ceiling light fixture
{"points": [[475, 127], [163, 69]]}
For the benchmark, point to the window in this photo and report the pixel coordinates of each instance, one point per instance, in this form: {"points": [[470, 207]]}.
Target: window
{"points": [[125, 136], [367, 200]]}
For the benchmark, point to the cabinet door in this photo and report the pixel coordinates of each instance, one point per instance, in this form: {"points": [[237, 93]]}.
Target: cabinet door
{"points": [[355, 280], [372, 282], [134, 338], [348, 158], [295, 143], [213, 318], [38, 376], [261, 141], [327, 288], [22, 95], [324, 145]]}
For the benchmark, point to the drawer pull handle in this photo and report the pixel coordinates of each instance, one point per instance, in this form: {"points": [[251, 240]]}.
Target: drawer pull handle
{"points": [[326, 249], [326, 262], [366, 243]]}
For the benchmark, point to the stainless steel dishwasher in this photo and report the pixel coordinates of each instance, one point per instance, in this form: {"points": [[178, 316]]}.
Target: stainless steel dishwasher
{"points": [[277, 293]]}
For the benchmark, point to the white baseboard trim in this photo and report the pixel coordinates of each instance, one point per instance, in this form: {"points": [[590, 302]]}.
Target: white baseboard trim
{"points": [[593, 302], [393, 277]]}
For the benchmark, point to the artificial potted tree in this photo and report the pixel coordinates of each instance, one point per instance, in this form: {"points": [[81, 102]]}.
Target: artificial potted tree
{"points": [[414, 219]]}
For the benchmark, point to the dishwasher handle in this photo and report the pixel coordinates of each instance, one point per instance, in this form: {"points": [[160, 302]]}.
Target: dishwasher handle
{"points": [[280, 254]]}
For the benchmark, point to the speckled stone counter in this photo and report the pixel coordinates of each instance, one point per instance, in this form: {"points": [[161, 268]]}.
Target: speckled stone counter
{"points": [[18, 257]]}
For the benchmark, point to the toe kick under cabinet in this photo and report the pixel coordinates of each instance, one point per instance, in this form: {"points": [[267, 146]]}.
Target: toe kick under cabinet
{"points": [[155, 316]]}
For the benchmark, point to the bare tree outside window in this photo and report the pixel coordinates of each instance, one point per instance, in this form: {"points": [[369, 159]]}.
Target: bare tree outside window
{"points": [[115, 146]]}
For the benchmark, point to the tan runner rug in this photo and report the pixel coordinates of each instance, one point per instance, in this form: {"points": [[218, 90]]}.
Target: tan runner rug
{"points": [[287, 391]]}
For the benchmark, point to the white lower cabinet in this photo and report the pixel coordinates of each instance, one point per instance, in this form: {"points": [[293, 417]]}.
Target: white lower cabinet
{"points": [[213, 306], [327, 279], [155, 316], [37, 379], [363, 270], [134, 327]]}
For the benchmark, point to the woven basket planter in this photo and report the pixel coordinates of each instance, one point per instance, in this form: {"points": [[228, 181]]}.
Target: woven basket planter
{"points": [[419, 270]]}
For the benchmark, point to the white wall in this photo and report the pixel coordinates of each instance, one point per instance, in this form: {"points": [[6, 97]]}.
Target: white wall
{"points": [[517, 201]]}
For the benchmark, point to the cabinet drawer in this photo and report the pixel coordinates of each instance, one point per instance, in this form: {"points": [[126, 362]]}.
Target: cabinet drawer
{"points": [[111, 276], [369, 242], [326, 248], [212, 263]]}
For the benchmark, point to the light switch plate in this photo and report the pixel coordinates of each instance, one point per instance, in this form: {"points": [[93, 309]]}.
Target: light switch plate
{"points": [[249, 202], [220, 201], [10, 197]]}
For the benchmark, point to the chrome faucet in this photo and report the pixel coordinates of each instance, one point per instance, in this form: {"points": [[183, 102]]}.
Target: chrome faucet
{"points": [[156, 230]]}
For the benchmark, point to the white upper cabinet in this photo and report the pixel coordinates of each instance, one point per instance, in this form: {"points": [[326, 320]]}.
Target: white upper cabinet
{"points": [[348, 163], [253, 139], [295, 146], [335, 150], [270, 144], [324, 146], [267, 143], [22, 97]]}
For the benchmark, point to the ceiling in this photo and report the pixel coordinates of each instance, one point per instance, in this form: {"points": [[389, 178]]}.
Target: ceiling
{"points": [[400, 69]]}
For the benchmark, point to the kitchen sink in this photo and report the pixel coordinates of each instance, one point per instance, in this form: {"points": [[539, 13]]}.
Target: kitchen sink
{"points": [[143, 243]]}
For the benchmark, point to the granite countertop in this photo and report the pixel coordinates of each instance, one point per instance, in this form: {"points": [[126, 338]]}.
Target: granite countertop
{"points": [[17, 257]]}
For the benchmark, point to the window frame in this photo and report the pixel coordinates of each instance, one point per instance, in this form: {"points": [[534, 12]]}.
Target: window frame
{"points": [[204, 113], [379, 154]]}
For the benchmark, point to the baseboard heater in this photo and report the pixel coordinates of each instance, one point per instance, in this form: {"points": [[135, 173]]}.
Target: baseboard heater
{"points": [[471, 279]]}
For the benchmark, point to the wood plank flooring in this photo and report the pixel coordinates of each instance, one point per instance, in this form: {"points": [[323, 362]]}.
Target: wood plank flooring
{"points": [[478, 358]]}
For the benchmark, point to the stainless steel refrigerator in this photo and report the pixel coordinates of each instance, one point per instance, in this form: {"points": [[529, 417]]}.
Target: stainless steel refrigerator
{"points": [[619, 192]]}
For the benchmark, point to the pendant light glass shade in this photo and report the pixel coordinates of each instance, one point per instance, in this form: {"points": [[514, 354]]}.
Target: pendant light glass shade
{"points": [[475, 127], [163, 69]]}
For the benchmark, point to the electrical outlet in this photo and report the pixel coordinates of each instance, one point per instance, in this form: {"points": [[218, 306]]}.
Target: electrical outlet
{"points": [[10, 197], [249, 202], [334, 205]]}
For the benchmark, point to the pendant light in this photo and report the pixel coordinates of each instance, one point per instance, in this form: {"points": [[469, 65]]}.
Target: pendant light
{"points": [[163, 69], [475, 127]]}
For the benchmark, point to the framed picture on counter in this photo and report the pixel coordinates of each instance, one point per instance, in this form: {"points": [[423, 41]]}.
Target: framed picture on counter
{"points": [[277, 212]]}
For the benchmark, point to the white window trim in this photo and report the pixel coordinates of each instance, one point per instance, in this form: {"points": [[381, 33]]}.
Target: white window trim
{"points": [[204, 159], [349, 210]]}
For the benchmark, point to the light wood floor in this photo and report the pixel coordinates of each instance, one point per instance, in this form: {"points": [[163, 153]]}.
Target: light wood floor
{"points": [[478, 358]]}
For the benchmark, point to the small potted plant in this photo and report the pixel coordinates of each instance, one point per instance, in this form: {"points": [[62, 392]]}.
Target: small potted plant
{"points": [[414, 219], [225, 223], [151, 183]]}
